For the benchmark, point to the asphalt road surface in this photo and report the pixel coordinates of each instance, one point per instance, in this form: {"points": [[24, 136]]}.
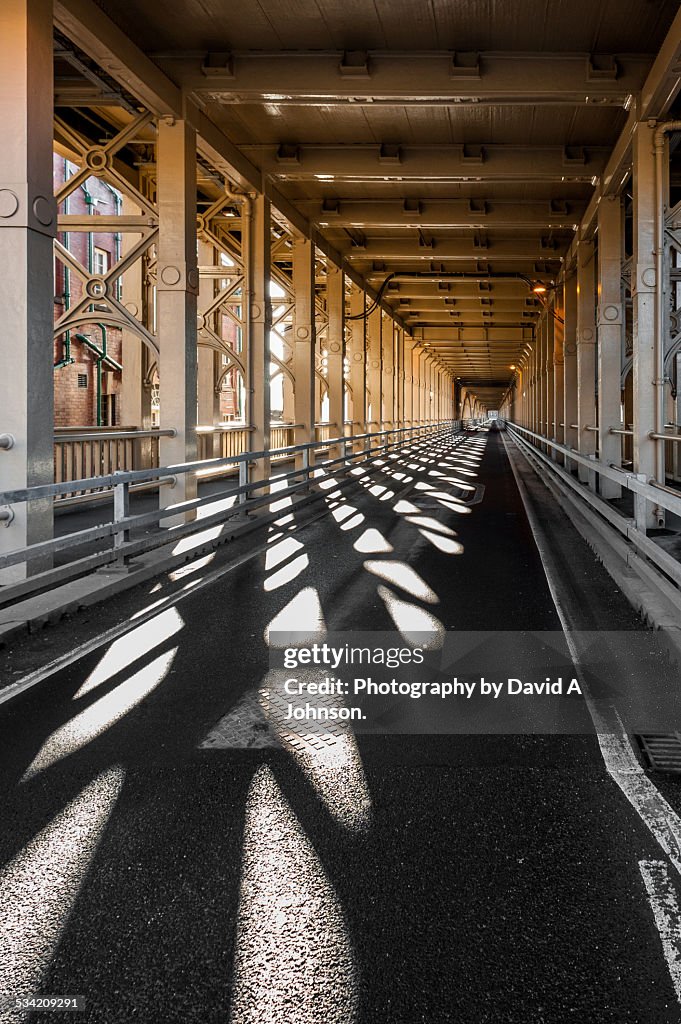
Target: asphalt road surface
{"points": [[172, 850]]}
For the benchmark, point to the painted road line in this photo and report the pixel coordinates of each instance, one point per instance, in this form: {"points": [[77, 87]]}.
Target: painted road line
{"points": [[667, 915], [620, 760]]}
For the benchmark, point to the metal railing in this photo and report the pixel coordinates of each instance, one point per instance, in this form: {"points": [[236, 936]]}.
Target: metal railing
{"points": [[80, 453], [250, 492], [646, 493]]}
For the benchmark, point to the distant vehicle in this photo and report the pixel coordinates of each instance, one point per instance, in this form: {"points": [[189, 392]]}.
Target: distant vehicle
{"points": [[497, 424]]}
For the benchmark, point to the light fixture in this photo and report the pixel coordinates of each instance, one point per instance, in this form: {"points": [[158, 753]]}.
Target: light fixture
{"points": [[539, 288]]}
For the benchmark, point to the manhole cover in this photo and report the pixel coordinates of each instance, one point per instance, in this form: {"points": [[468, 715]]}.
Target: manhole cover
{"points": [[662, 750]]}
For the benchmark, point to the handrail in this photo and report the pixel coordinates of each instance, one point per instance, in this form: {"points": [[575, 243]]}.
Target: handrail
{"points": [[638, 484], [227, 427], [634, 529], [118, 435], [119, 527], [134, 475]]}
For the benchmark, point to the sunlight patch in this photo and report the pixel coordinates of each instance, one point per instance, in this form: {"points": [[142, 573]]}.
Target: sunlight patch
{"points": [[445, 544], [372, 542], [135, 644], [402, 575], [287, 573], [39, 887], [302, 615], [90, 723], [292, 949], [413, 621]]}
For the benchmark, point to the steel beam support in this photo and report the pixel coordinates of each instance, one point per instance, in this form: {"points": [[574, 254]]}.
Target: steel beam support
{"points": [[304, 339], [409, 345], [388, 373], [586, 355], [208, 398], [444, 214], [570, 358], [135, 409], [28, 221], [541, 376], [643, 285], [515, 249], [401, 384], [311, 78], [374, 367], [654, 100], [177, 288], [335, 349], [453, 162], [549, 369], [259, 323], [559, 370], [98, 36], [610, 330], [357, 350]]}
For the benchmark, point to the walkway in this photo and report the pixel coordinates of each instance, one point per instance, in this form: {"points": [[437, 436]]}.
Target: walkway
{"points": [[174, 853]]}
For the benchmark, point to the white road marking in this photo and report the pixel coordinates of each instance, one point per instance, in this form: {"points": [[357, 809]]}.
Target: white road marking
{"points": [[626, 771], [620, 760], [667, 915]]}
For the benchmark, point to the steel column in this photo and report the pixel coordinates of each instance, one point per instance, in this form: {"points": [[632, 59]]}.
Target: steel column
{"points": [[177, 289], [304, 339], [570, 358], [259, 324], [335, 348], [610, 328], [28, 220], [374, 360], [643, 284], [358, 361], [586, 354]]}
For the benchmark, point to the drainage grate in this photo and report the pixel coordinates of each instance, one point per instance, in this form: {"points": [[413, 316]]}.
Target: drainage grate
{"points": [[662, 750]]}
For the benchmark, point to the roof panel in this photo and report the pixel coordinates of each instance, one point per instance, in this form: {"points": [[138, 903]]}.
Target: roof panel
{"points": [[607, 26]]}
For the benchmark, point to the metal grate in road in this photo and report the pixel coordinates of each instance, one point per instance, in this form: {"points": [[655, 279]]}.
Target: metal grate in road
{"points": [[259, 720], [662, 751]]}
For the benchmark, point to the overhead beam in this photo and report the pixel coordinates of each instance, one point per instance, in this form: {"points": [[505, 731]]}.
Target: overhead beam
{"points": [[660, 89], [454, 249], [313, 78], [506, 289], [410, 307], [487, 266], [456, 335], [453, 213], [441, 163], [92, 31]]}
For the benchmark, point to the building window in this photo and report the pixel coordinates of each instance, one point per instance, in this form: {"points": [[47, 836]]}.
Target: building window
{"points": [[101, 262], [82, 380]]}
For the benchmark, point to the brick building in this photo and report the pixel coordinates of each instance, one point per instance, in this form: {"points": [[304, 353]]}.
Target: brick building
{"points": [[81, 396]]}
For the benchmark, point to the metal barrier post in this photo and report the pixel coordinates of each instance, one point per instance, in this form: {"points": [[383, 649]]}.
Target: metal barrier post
{"points": [[121, 497], [305, 462], [641, 505], [243, 481]]}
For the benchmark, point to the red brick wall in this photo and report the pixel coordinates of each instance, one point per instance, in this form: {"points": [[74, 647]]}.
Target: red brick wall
{"points": [[75, 406]]}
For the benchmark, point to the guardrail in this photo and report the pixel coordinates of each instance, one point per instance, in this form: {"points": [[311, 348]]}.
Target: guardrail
{"points": [[645, 493], [253, 476], [79, 454]]}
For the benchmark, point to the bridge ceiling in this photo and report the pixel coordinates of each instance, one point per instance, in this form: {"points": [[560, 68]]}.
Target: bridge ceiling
{"points": [[447, 150]]}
